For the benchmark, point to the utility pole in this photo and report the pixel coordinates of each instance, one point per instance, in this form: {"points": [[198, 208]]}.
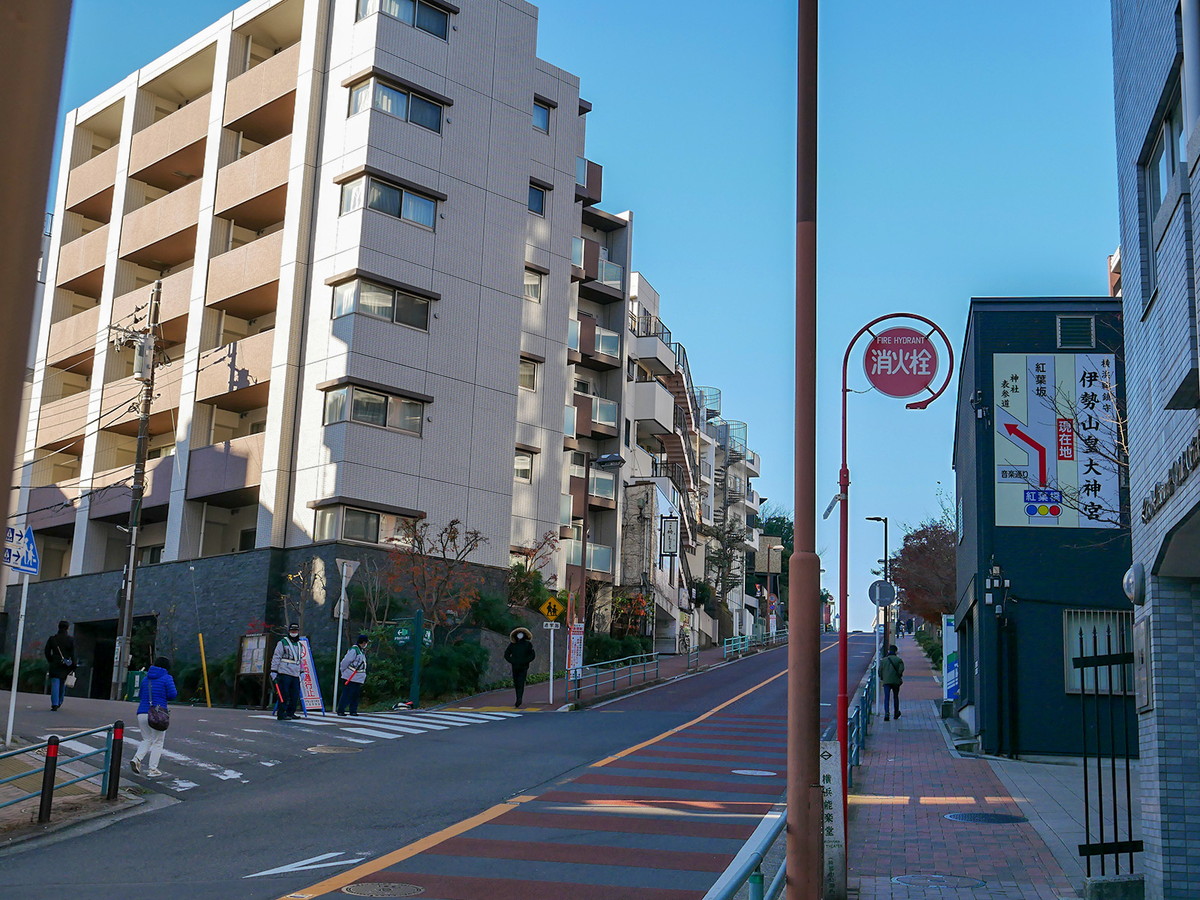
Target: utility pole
{"points": [[144, 356]]}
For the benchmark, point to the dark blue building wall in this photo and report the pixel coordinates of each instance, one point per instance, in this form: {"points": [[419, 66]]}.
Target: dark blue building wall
{"points": [[1013, 673]]}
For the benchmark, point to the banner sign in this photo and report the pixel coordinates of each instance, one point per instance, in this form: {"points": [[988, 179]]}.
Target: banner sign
{"points": [[949, 659], [253, 655], [309, 689], [575, 648]]}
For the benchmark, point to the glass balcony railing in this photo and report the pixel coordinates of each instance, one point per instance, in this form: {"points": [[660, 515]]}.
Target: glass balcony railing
{"points": [[577, 252], [599, 556], [564, 510], [611, 275], [603, 484], [581, 171], [569, 421], [604, 412], [608, 342], [573, 335]]}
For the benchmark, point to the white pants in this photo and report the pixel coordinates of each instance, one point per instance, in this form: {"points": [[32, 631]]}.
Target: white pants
{"points": [[152, 741]]}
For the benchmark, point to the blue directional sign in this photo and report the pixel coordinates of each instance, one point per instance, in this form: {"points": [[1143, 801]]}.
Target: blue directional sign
{"points": [[20, 550]]}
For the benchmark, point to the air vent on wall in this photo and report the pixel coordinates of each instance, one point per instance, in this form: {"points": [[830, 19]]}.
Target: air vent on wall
{"points": [[1076, 332]]}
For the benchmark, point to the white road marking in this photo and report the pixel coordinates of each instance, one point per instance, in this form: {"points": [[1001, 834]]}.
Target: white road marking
{"points": [[313, 862], [386, 735], [388, 726], [430, 718]]}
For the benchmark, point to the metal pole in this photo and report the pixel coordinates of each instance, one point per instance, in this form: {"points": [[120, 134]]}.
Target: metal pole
{"points": [[583, 543], [204, 670], [48, 773], [552, 630], [843, 700], [418, 642], [337, 655], [803, 841], [12, 697], [137, 489], [114, 760]]}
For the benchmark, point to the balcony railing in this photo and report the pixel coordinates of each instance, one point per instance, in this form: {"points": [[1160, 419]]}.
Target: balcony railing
{"points": [[577, 252], [660, 468], [611, 274], [564, 510], [607, 342], [573, 335], [599, 556], [647, 325], [603, 484], [569, 421], [604, 412], [581, 170]]}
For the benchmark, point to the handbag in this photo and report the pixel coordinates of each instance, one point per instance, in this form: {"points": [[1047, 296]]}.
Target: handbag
{"points": [[70, 679], [157, 717]]}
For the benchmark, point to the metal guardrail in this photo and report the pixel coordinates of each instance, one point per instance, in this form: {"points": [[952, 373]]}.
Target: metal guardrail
{"points": [[741, 643], [109, 772], [628, 670]]}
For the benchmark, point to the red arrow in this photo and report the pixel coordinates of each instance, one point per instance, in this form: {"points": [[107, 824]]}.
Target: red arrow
{"points": [[1014, 431]]}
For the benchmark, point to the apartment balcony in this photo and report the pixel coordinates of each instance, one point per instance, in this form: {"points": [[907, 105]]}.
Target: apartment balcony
{"points": [[81, 263], [173, 305], [252, 191], [63, 421], [589, 178], [595, 416], [226, 474], [597, 348], [54, 505], [599, 556], [599, 279], [237, 376], [113, 503], [73, 339], [753, 464], [163, 233], [674, 471], [123, 395], [260, 102], [170, 153], [245, 281], [655, 353], [653, 408], [90, 186]]}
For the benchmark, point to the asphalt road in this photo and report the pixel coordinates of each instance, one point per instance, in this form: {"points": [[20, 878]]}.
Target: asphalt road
{"points": [[313, 814]]}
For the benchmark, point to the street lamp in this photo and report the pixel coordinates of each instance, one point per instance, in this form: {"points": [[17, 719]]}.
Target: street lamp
{"points": [[886, 570], [608, 462]]}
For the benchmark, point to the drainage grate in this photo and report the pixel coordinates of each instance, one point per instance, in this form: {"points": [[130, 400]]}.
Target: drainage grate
{"points": [[383, 889], [986, 818], [948, 881], [326, 748]]}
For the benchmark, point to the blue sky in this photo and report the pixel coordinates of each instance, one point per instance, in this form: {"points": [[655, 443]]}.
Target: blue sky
{"points": [[966, 149]]}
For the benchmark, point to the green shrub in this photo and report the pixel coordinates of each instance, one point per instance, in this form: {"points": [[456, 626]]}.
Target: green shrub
{"points": [[931, 643], [598, 648], [33, 674], [492, 613], [453, 669]]}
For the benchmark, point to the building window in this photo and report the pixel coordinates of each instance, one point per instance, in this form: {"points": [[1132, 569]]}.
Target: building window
{"points": [[394, 101], [537, 200], [528, 375], [1076, 332], [541, 117], [151, 555], [1166, 158], [351, 403], [362, 525], [380, 302], [523, 467], [533, 286], [388, 199], [411, 12], [1103, 632]]}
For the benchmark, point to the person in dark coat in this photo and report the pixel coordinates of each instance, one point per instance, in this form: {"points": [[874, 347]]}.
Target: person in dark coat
{"points": [[158, 687], [891, 674], [60, 655], [520, 653]]}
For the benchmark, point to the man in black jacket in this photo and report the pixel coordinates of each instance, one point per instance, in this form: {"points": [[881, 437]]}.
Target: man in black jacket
{"points": [[60, 655], [520, 653]]}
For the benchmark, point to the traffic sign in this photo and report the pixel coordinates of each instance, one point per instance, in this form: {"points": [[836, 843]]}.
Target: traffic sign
{"points": [[552, 608], [882, 593], [552, 626], [900, 362], [20, 550]]}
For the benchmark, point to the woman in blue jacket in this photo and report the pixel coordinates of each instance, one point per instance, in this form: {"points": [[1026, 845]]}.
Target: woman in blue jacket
{"points": [[158, 687]]}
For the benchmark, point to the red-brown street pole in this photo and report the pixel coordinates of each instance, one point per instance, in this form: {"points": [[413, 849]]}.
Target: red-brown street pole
{"points": [[804, 589]]}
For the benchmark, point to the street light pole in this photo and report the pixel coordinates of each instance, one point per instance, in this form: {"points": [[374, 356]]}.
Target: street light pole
{"points": [[886, 571]]}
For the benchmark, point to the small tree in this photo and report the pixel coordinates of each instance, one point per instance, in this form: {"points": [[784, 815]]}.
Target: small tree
{"points": [[303, 588], [925, 568], [433, 567], [526, 582], [723, 558]]}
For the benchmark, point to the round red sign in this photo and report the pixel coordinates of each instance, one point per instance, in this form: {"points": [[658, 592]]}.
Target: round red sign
{"points": [[900, 362]]}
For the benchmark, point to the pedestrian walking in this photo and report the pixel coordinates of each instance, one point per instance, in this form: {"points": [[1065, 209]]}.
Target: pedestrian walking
{"points": [[60, 657], [520, 653], [285, 672], [353, 671], [891, 674], [157, 690]]}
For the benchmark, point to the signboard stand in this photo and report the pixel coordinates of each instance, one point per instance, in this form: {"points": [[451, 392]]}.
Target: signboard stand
{"points": [[833, 823]]}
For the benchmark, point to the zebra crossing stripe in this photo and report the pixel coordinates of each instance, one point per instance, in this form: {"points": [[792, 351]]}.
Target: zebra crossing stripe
{"points": [[469, 716], [431, 717], [381, 722], [388, 726], [370, 732]]}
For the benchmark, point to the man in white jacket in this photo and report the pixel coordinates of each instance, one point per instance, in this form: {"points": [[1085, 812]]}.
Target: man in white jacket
{"points": [[285, 670], [353, 671]]}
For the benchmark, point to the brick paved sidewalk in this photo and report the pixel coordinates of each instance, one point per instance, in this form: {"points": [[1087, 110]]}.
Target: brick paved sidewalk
{"points": [[908, 782]]}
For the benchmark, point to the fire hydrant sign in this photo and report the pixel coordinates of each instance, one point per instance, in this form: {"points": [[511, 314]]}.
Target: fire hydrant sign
{"points": [[900, 362], [1055, 435]]}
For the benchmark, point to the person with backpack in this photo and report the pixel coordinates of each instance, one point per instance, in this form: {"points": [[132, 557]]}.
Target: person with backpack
{"points": [[520, 653], [353, 671], [60, 657], [891, 675], [158, 688]]}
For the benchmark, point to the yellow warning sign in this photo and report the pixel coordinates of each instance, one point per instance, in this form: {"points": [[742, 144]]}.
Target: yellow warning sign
{"points": [[552, 609]]}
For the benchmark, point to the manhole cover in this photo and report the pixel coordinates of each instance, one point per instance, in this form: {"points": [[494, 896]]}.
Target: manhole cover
{"points": [[986, 818], [947, 881], [325, 748], [383, 889], [761, 773]]}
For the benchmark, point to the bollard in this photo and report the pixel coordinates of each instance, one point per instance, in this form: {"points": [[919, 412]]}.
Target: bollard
{"points": [[114, 760], [48, 779], [755, 884]]}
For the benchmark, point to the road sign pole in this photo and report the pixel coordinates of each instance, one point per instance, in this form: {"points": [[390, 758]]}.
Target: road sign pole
{"points": [[552, 630], [418, 645], [12, 697]]}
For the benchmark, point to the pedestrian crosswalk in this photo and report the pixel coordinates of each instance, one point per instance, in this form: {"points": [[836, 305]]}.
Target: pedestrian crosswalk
{"points": [[388, 726]]}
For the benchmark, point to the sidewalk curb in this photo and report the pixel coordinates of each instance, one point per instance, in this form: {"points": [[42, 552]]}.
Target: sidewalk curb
{"points": [[53, 832]]}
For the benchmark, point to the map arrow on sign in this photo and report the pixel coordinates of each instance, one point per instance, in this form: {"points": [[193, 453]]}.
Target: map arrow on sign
{"points": [[313, 862], [1015, 432]]}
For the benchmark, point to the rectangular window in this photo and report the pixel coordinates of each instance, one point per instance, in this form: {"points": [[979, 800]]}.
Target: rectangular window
{"points": [[391, 100], [523, 467], [355, 404], [374, 300], [369, 408], [528, 375], [360, 525], [325, 527], [412, 311], [397, 102], [537, 200], [425, 113], [406, 415], [533, 286], [388, 199], [381, 302], [433, 20], [1101, 632], [541, 117], [421, 15], [1166, 159], [337, 405]]}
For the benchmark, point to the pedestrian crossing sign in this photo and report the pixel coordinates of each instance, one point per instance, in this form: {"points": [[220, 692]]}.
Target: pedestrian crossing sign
{"points": [[20, 551], [552, 608]]}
